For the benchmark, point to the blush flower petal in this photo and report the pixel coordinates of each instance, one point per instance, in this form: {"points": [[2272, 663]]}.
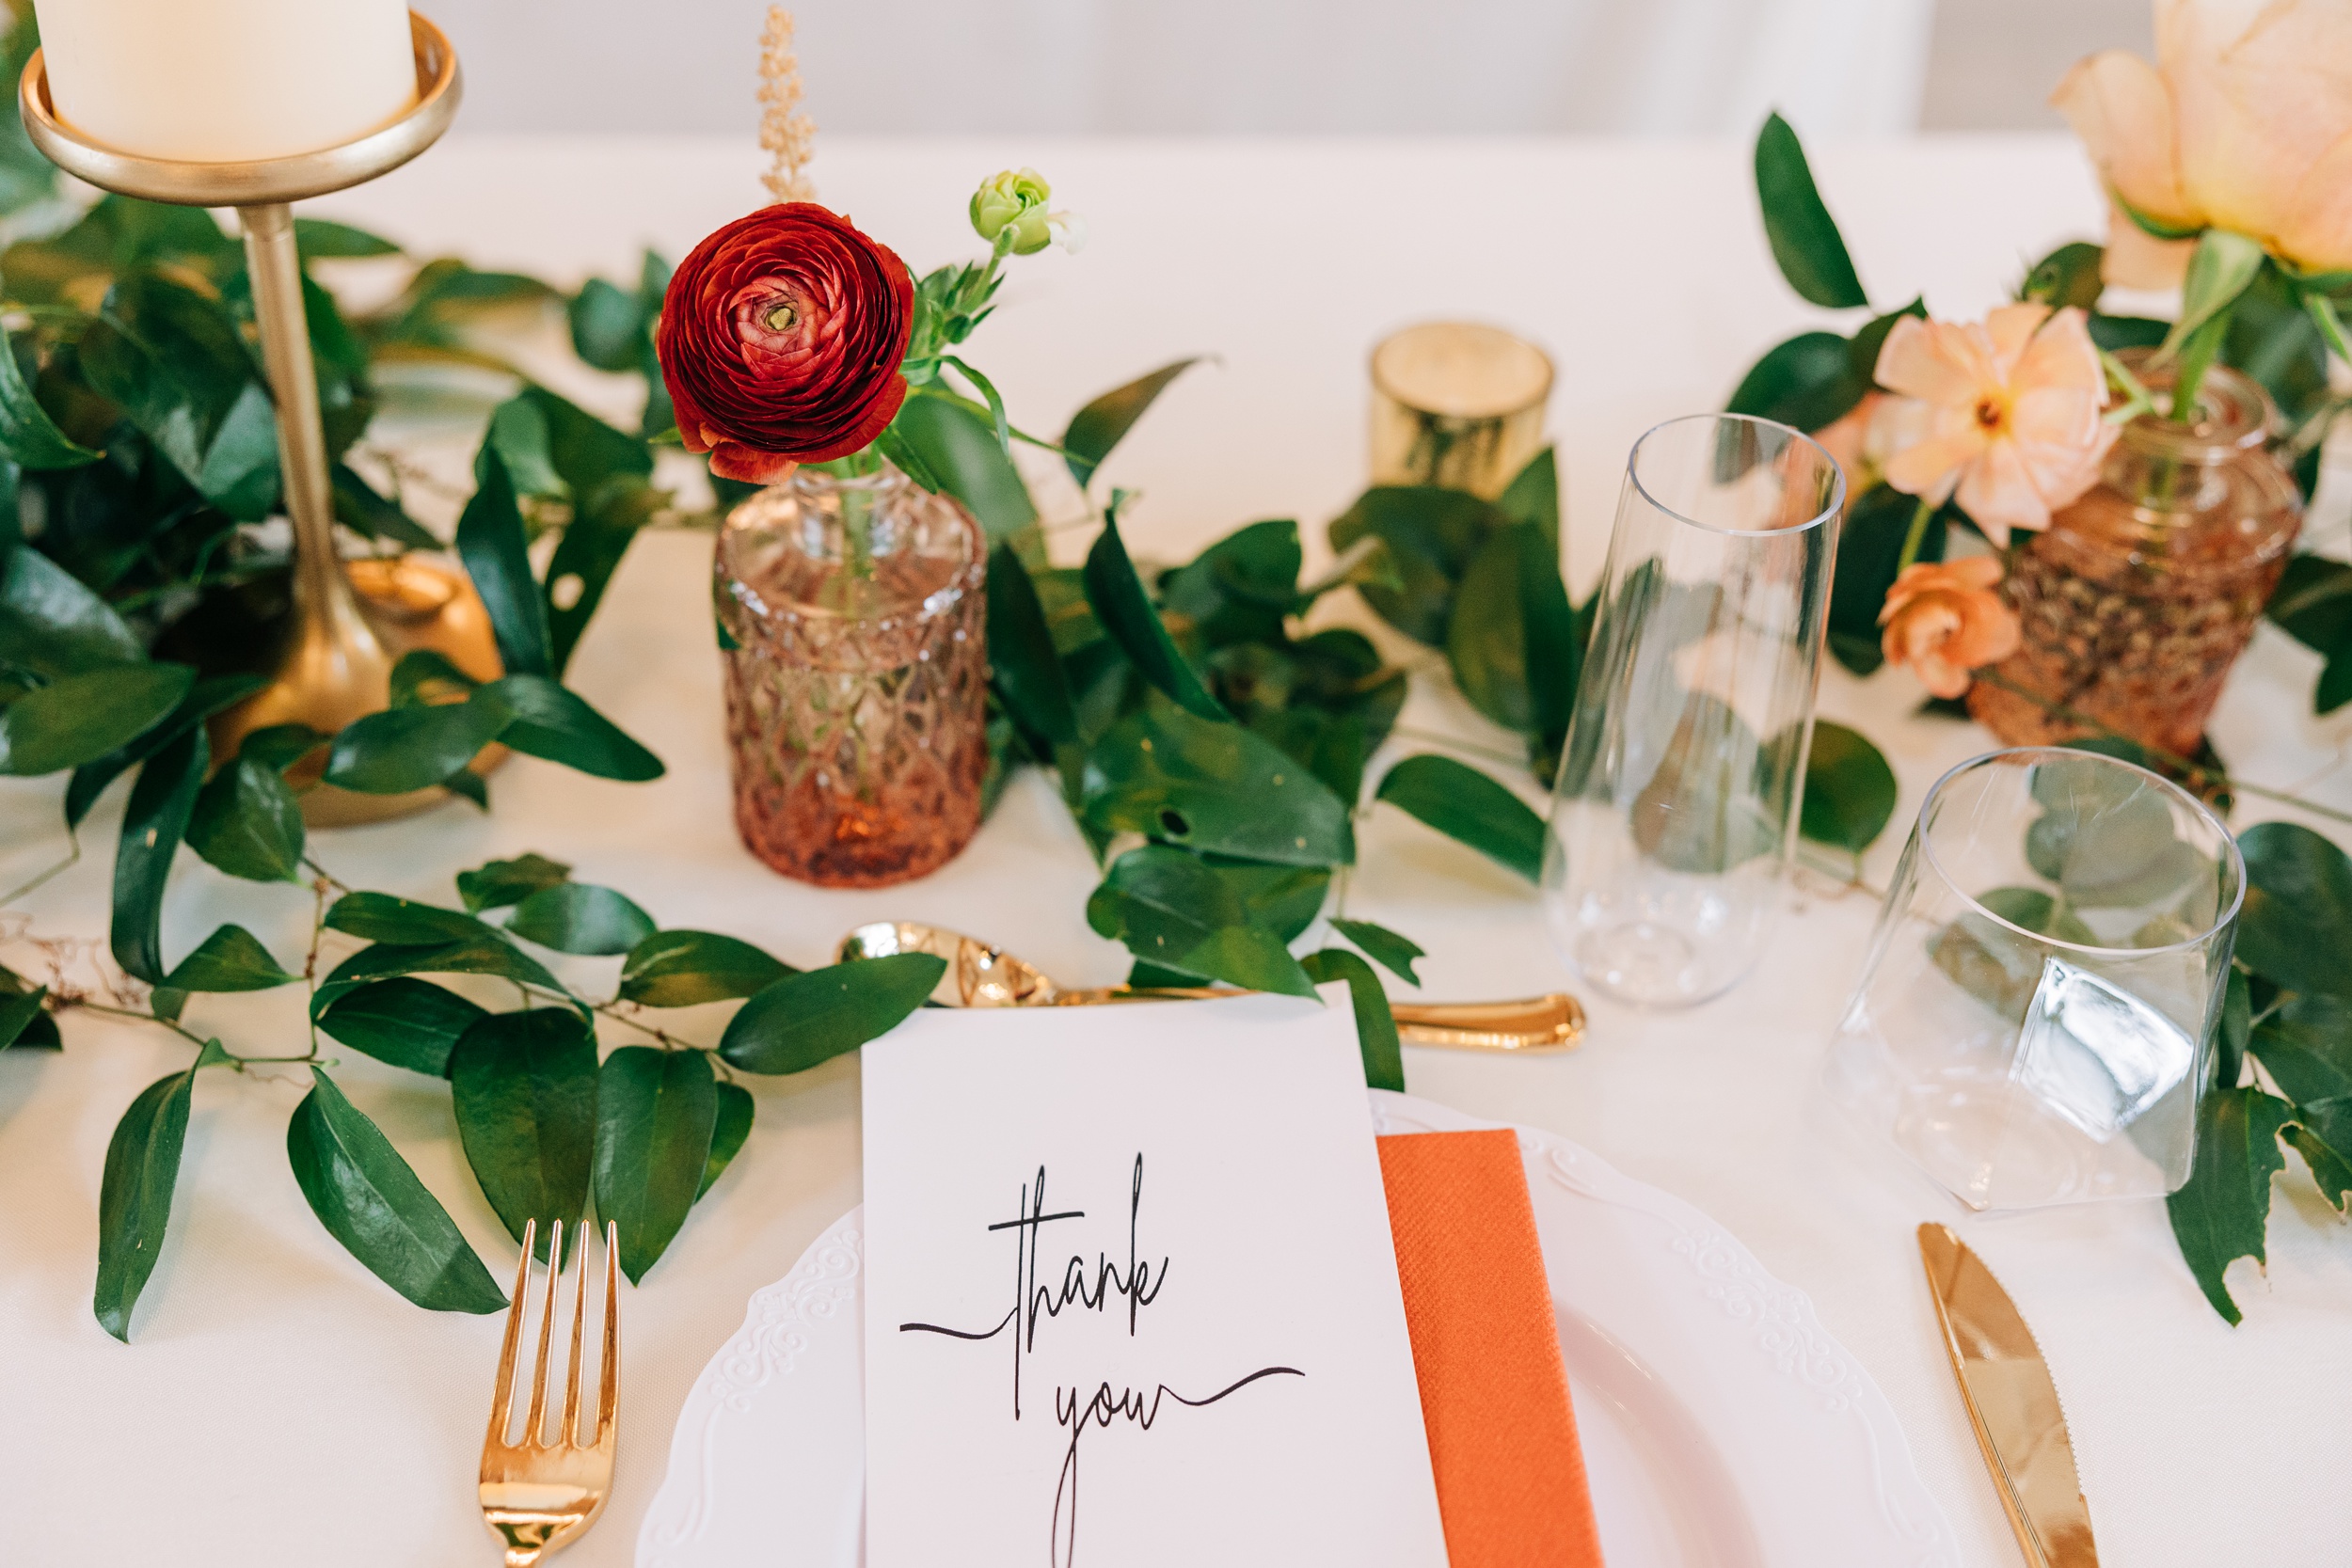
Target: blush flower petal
{"points": [[2006, 411]]}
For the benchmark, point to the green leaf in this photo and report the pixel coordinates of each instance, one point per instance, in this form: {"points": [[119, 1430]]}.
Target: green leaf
{"points": [[589, 553], [52, 623], [246, 821], [369, 1199], [2221, 1213], [958, 449], [1216, 787], [1431, 534], [1170, 907], [1555, 635], [1394, 952], [576, 917], [801, 1020], [1534, 497], [153, 825], [2219, 270], [1805, 238], [492, 954], [1806, 381], [1849, 789], [1024, 667], [2306, 1046], [656, 1114], [1376, 1029], [523, 1086], [728, 1131], [685, 969], [231, 958], [1284, 899], [1124, 610], [403, 749], [1250, 956], [30, 435], [544, 720], [2109, 848], [607, 321], [499, 884], [382, 917], [2068, 275], [2235, 1034], [205, 699], [325, 240], [1239, 589], [19, 1011], [135, 1197], [1468, 806], [2296, 924], [1098, 427], [408, 1022], [1485, 640], [491, 541], [175, 361], [79, 719], [2322, 1134], [357, 506], [1869, 548]]}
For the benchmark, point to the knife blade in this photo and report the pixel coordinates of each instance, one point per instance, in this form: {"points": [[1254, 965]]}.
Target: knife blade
{"points": [[2013, 1405]]}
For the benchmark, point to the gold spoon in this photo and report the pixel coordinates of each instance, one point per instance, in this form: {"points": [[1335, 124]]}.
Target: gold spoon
{"points": [[985, 976]]}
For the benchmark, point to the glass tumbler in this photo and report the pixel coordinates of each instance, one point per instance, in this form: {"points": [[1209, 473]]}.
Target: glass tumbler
{"points": [[1458, 405], [2036, 1017], [1675, 810]]}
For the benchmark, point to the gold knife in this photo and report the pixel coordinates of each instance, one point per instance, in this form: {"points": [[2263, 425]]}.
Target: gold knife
{"points": [[2013, 1405]]}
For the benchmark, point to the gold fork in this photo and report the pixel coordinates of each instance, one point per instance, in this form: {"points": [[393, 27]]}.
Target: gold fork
{"points": [[539, 1495]]}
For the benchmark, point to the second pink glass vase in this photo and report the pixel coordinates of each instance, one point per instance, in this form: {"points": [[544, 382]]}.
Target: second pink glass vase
{"points": [[853, 622]]}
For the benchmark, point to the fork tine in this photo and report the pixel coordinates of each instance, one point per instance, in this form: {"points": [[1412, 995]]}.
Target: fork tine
{"points": [[569, 1431], [531, 1427], [608, 1395], [502, 1397]]}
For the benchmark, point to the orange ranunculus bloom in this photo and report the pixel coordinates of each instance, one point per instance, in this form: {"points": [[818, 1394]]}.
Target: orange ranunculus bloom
{"points": [[2244, 123], [1944, 619], [2004, 413]]}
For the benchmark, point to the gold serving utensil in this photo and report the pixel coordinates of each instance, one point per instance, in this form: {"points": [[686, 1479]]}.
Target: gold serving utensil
{"points": [[2013, 1405], [540, 1494], [985, 976]]}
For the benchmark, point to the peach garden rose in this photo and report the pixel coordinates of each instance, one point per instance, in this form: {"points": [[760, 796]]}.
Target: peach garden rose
{"points": [[2244, 123], [1944, 619]]}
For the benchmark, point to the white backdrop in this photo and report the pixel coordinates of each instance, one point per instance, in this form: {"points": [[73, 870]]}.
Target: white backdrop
{"points": [[1285, 67]]}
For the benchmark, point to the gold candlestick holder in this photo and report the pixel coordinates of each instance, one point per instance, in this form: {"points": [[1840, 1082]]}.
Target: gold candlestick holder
{"points": [[350, 626]]}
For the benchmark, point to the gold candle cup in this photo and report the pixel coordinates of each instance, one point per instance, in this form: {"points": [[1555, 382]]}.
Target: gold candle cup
{"points": [[345, 637], [1457, 403]]}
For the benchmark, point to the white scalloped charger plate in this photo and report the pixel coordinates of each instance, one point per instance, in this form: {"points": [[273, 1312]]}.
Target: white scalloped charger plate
{"points": [[1721, 1423]]}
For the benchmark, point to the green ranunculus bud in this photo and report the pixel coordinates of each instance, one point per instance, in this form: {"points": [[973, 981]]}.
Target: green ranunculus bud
{"points": [[1014, 200]]}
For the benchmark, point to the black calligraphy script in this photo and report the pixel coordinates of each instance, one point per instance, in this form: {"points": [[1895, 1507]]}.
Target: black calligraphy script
{"points": [[1092, 1289]]}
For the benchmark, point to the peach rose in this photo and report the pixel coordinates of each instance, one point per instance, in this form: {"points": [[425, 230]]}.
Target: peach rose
{"points": [[2244, 123], [1944, 619], [2003, 412]]}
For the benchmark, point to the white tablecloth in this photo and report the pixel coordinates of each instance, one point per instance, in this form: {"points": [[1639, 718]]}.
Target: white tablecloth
{"points": [[279, 1406]]}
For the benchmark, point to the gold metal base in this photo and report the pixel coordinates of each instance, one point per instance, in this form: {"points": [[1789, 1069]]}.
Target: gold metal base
{"points": [[351, 624], [334, 672]]}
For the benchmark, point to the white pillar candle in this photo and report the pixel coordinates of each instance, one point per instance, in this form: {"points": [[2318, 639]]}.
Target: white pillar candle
{"points": [[227, 81]]}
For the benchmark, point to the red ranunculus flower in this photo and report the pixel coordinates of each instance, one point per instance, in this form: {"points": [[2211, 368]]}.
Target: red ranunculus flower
{"points": [[779, 341]]}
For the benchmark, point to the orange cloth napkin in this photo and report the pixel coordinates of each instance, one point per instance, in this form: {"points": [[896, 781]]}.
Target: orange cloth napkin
{"points": [[1494, 1392]]}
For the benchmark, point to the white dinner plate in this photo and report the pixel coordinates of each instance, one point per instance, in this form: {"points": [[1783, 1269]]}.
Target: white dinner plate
{"points": [[1721, 1423]]}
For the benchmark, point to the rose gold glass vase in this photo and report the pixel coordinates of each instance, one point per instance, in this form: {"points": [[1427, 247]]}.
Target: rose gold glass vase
{"points": [[2138, 598], [857, 681]]}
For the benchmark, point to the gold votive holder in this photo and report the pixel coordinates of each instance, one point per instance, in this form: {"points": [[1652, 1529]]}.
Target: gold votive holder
{"points": [[1457, 403]]}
